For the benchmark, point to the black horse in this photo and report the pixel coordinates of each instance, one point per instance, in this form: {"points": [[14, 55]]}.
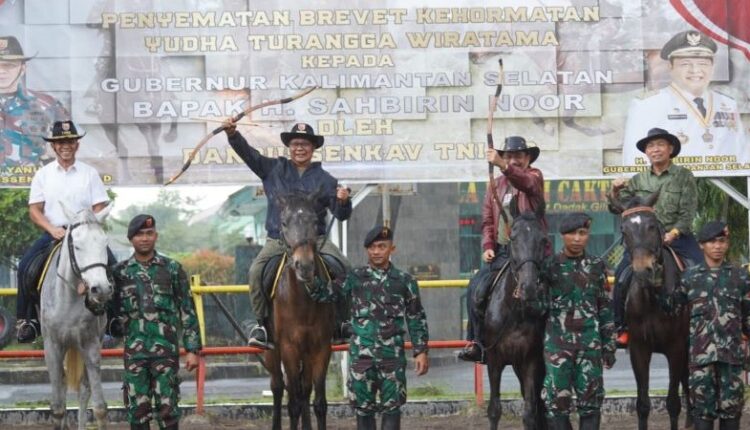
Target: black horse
{"points": [[651, 329], [513, 333]]}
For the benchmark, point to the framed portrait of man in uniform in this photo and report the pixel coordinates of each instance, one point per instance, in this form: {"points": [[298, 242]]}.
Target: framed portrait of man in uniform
{"points": [[706, 121]]}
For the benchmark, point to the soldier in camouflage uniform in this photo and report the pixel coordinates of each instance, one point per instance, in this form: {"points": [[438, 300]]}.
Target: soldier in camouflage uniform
{"points": [[154, 297], [382, 298], [25, 115], [718, 296], [580, 334]]}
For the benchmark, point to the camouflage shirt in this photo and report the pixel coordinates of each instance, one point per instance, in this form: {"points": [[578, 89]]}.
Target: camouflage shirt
{"points": [[381, 302], [719, 304], [678, 197], [579, 312], [155, 300]]}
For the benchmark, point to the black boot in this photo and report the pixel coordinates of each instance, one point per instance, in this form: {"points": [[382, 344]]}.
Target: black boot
{"points": [[260, 335], [366, 422], [141, 426], [729, 423], [391, 422], [559, 423], [701, 424], [27, 330], [473, 352], [590, 422]]}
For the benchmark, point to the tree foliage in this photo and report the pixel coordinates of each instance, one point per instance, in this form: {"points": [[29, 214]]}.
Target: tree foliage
{"points": [[17, 232], [214, 268], [715, 204]]}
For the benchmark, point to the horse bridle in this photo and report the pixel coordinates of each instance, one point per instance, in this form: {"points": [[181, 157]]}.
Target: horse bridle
{"points": [[648, 209], [77, 270]]}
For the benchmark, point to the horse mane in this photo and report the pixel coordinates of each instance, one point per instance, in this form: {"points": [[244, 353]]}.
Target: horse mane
{"points": [[86, 216]]}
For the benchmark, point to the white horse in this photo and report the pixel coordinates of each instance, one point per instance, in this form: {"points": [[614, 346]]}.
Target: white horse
{"points": [[78, 274]]}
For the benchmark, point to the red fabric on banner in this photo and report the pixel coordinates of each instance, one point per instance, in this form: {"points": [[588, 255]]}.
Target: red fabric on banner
{"points": [[725, 21]]}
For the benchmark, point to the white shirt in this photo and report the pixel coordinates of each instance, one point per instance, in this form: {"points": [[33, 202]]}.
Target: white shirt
{"points": [[79, 187], [674, 110]]}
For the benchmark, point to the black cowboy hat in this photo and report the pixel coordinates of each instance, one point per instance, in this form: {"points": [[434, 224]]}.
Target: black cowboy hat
{"points": [[305, 131], [11, 50], [63, 130], [518, 143], [660, 133]]}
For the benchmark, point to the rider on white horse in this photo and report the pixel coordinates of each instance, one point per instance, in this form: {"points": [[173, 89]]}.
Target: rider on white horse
{"points": [[74, 183]]}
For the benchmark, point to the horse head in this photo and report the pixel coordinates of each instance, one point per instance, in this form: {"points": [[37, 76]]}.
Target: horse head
{"points": [[86, 245], [642, 232], [527, 246], [299, 222]]}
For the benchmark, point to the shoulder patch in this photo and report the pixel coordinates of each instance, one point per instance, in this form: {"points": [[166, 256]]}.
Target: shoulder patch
{"points": [[722, 93]]}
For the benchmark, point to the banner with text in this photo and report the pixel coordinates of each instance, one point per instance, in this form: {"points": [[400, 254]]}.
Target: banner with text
{"points": [[403, 89]]}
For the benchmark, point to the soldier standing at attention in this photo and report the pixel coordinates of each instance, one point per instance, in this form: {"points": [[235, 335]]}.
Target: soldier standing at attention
{"points": [[718, 296], [154, 297], [579, 336], [382, 298]]}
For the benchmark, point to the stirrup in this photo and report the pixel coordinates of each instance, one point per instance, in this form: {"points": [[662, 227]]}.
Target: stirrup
{"points": [[23, 335], [261, 342], [467, 355]]}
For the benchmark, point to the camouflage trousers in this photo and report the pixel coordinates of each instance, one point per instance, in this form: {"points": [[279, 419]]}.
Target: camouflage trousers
{"points": [[157, 379], [569, 371], [367, 379], [717, 391], [274, 247]]}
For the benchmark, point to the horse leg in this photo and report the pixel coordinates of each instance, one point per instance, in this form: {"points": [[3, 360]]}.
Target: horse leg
{"points": [[640, 360], [319, 370], [531, 375], [277, 386], [293, 370], [494, 408], [84, 393], [306, 385], [688, 401], [53, 355], [676, 365], [92, 356]]}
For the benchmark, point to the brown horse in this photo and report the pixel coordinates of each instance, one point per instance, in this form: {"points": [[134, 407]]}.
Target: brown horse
{"points": [[302, 328], [651, 329], [513, 334]]}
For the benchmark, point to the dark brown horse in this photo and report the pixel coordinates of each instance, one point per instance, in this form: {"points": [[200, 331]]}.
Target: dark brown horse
{"points": [[302, 328], [514, 334], [651, 329]]}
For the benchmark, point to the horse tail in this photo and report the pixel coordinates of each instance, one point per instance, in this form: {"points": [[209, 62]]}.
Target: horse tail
{"points": [[73, 368]]}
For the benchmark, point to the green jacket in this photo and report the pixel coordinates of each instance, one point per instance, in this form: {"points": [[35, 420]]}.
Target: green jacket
{"points": [[155, 301], [382, 303], [579, 311], [678, 199]]}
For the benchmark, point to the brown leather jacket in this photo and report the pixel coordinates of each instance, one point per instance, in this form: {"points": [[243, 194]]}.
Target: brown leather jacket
{"points": [[529, 187]]}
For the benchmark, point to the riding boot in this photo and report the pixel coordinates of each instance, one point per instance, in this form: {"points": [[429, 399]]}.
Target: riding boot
{"points": [[729, 424], [559, 423], [140, 426], [590, 422], [622, 285], [27, 330], [701, 424], [174, 426], [391, 422], [366, 422], [260, 335]]}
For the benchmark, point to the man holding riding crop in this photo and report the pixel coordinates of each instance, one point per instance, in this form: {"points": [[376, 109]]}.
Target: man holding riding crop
{"points": [[675, 208], [519, 189], [280, 176]]}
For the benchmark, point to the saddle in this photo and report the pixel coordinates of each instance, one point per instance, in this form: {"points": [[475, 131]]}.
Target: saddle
{"points": [[272, 271], [37, 269]]}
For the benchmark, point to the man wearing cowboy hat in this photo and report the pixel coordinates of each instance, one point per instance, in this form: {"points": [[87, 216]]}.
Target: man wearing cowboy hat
{"points": [[64, 181], [519, 189], [675, 208], [281, 176], [706, 122], [25, 115]]}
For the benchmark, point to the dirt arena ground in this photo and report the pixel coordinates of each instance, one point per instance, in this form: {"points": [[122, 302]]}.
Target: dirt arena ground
{"points": [[469, 421]]}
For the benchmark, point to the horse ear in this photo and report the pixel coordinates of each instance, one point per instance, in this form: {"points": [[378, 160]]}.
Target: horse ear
{"points": [[102, 214], [68, 213], [280, 200], [651, 200], [615, 205], [541, 207]]}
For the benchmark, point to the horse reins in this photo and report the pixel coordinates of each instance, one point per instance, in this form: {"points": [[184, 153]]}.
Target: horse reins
{"points": [[77, 270]]}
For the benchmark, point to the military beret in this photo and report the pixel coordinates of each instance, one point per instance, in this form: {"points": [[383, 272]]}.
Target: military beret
{"points": [[689, 44], [574, 221], [378, 233], [711, 230], [139, 222]]}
